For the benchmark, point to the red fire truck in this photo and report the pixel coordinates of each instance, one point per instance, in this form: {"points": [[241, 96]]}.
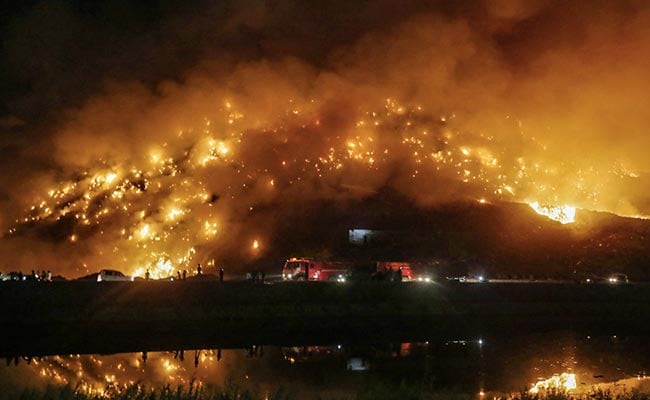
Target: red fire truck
{"points": [[314, 270]]}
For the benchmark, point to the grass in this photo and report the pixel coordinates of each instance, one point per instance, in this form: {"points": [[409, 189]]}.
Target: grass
{"points": [[193, 391], [597, 394], [233, 391]]}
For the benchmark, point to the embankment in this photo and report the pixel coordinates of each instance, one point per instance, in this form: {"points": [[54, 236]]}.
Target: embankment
{"points": [[75, 316]]}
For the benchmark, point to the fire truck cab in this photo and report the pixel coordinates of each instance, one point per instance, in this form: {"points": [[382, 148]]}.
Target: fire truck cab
{"points": [[300, 269]]}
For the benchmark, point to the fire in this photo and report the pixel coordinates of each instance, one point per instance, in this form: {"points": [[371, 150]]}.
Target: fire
{"points": [[144, 231], [562, 214], [174, 213], [210, 228], [166, 204], [564, 381]]}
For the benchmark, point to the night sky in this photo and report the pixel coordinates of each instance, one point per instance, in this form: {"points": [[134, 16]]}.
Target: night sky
{"points": [[149, 134]]}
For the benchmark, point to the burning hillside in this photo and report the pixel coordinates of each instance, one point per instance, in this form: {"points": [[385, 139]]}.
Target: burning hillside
{"points": [[441, 106]]}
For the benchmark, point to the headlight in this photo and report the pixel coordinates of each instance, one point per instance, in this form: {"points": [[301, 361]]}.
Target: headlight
{"points": [[289, 276]]}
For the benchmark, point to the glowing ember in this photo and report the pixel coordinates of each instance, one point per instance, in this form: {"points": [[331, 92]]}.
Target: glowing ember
{"points": [[186, 195], [564, 381], [562, 214]]}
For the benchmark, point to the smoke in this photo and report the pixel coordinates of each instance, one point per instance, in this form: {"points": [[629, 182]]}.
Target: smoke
{"points": [[507, 100]]}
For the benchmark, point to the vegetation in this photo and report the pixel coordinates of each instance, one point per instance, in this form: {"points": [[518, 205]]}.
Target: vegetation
{"points": [[591, 395], [232, 391]]}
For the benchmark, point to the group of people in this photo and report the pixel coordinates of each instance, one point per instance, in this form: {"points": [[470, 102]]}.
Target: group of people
{"points": [[255, 277], [388, 274], [182, 275]]}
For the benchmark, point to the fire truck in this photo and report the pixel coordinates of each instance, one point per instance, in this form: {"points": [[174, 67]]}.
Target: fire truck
{"points": [[300, 269]]}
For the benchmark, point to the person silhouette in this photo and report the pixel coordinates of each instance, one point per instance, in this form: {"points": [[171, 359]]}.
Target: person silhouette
{"points": [[221, 275], [199, 270]]}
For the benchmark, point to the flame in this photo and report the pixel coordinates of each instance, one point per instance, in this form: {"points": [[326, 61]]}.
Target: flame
{"points": [[562, 214], [144, 231], [210, 228], [564, 381], [188, 192], [173, 213]]}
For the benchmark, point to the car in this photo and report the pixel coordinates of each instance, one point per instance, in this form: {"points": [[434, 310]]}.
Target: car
{"points": [[618, 278], [108, 275], [12, 276]]}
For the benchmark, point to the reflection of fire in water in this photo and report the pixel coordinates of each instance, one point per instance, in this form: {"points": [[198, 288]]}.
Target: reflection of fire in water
{"points": [[109, 376], [563, 381], [562, 214]]}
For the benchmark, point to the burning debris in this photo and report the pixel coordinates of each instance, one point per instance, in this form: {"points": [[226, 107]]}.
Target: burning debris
{"points": [[436, 108], [562, 214]]}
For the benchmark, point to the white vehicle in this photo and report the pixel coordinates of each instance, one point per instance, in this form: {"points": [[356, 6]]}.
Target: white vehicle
{"points": [[107, 275], [618, 278]]}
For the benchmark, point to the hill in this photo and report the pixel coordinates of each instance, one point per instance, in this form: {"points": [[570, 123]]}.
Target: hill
{"points": [[498, 239]]}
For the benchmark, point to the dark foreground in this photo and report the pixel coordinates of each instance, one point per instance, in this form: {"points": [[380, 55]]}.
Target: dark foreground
{"points": [[376, 392], [90, 317]]}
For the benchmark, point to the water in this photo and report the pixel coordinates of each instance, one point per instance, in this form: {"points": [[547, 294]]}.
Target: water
{"points": [[474, 367]]}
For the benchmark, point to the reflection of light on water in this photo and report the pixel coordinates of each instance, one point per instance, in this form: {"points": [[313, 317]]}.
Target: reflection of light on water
{"points": [[563, 381], [169, 367], [100, 375]]}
